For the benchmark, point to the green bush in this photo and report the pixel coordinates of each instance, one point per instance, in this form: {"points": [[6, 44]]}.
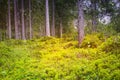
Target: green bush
{"points": [[112, 45], [92, 41], [60, 59]]}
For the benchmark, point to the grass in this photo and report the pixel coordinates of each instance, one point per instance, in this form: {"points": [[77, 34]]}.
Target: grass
{"points": [[51, 58]]}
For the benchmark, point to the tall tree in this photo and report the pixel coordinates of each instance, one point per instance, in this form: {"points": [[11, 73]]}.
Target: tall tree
{"points": [[30, 21], [23, 23], [53, 18], [61, 28], [16, 20], [9, 21], [94, 10], [47, 19], [80, 22]]}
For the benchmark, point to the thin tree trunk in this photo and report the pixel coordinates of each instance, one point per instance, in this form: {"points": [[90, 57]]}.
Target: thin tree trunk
{"points": [[19, 21], [16, 21], [61, 28], [0, 35], [30, 20], [94, 22], [26, 28], [47, 19], [80, 22], [23, 22], [53, 18], [9, 21]]}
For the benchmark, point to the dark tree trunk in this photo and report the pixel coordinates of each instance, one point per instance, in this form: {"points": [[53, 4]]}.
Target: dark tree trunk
{"points": [[47, 19], [94, 21], [80, 22], [16, 20], [61, 28], [30, 20], [53, 18], [22, 18], [9, 21]]}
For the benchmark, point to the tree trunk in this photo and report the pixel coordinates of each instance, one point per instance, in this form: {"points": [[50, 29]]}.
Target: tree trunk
{"points": [[15, 20], [0, 35], [9, 21], [61, 28], [80, 22], [53, 18], [23, 23], [47, 19], [30, 20], [94, 22], [26, 28]]}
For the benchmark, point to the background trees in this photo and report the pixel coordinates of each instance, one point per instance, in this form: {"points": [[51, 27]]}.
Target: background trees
{"points": [[30, 21], [23, 22], [18, 20], [9, 21]]}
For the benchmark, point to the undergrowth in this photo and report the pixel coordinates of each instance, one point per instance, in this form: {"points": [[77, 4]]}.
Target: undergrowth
{"points": [[50, 58]]}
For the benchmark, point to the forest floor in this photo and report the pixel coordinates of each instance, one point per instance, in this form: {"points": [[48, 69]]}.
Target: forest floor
{"points": [[51, 58]]}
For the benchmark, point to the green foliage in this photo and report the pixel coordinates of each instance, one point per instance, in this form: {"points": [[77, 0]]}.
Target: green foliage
{"points": [[112, 45], [92, 41], [51, 58]]}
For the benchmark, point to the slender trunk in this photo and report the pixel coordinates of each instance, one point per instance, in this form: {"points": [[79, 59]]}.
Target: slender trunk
{"points": [[47, 19], [9, 21], [61, 28], [0, 35], [30, 21], [19, 21], [26, 28], [94, 22], [16, 21], [80, 22], [23, 22], [7, 24], [53, 18], [22, 19]]}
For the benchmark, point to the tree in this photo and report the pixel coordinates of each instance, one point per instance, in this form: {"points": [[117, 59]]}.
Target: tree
{"points": [[61, 28], [30, 22], [80, 22], [16, 20], [53, 18], [23, 23], [94, 11], [9, 21], [47, 19]]}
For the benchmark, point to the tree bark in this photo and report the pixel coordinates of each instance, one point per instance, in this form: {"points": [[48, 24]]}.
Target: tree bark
{"points": [[94, 22], [9, 21], [47, 19], [30, 20], [80, 22], [23, 22], [15, 20], [53, 18], [61, 28]]}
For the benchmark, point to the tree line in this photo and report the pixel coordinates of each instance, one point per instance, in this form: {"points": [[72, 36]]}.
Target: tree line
{"points": [[28, 19]]}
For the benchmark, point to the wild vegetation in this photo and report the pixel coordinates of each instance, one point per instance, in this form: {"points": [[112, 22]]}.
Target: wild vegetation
{"points": [[59, 39], [50, 58]]}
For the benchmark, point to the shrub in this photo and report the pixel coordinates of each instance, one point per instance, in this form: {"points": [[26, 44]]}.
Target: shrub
{"points": [[91, 41], [112, 44]]}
